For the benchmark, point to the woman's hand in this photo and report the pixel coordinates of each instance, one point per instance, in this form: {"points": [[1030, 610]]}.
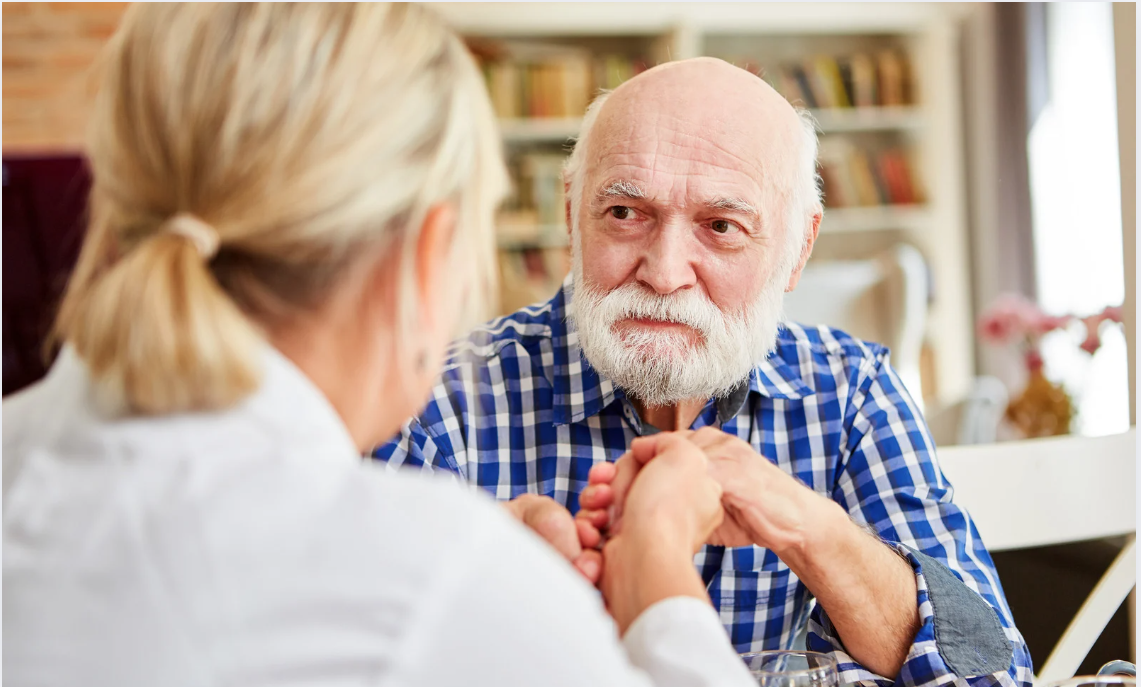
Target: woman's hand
{"points": [[763, 504], [668, 511], [574, 539]]}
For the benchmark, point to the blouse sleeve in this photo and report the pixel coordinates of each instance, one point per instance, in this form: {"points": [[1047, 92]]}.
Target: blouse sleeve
{"points": [[515, 614]]}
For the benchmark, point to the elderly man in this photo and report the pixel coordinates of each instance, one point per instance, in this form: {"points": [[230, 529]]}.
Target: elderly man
{"points": [[693, 206]]}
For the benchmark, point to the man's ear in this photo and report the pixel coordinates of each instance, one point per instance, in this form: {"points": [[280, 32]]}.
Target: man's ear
{"points": [[806, 251], [567, 194]]}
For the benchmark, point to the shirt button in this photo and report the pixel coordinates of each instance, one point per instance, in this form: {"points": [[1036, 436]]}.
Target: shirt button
{"points": [[632, 418]]}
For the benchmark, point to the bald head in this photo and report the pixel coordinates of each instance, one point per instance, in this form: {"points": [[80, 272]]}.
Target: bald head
{"points": [[728, 106], [731, 111]]}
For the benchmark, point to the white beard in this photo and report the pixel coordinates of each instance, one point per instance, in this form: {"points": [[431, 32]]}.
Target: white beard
{"points": [[664, 368]]}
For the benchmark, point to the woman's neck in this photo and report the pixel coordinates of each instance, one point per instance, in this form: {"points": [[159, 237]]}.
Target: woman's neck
{"points": [[348, 374]]}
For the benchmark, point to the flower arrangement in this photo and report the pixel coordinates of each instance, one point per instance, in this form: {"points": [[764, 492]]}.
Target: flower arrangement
{"points": [[1044, 408], [1017, 319]]}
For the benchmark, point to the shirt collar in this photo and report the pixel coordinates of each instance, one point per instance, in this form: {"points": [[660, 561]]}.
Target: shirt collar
{"points": [[288, 400], [581, 392], [286, 404]]}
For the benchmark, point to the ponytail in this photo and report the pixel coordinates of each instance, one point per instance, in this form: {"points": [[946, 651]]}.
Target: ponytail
{"points": [[157, 331], [311, 135]]}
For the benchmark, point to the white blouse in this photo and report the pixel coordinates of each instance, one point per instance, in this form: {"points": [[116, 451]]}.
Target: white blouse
{"points": [[255, 547]]}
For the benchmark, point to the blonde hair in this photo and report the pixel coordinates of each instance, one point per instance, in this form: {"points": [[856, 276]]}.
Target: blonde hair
{"points": [[308, 137]]}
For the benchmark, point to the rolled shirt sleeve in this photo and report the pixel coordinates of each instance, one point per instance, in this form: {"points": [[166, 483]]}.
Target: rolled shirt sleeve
{"points": [[891, 480]]}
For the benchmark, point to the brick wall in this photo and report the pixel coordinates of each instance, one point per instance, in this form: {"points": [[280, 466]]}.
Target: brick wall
{"points": [[48, 51]]}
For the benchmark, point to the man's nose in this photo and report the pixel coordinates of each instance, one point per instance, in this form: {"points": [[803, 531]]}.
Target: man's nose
{"points": [[667, 264]]}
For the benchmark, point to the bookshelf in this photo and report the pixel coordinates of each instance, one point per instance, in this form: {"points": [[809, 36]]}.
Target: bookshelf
{"points": [[911, 218], [552, 130], [560, 129], [910, 125]]}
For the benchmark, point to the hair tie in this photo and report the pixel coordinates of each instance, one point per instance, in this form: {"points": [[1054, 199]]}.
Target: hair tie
{"points": [[202, 235]]}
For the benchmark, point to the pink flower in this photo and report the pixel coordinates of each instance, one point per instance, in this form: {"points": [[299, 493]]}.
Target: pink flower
{"points": [[1112, 313], [996, 329], [1033, 360], [1048, 323], [1011, 316], [1093, 338]]}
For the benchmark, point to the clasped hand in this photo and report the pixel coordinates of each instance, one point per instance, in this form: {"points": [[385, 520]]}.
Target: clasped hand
{"points": [[755, 501]]}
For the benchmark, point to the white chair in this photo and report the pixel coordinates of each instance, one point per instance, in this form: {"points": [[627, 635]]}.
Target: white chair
{"points": [[975, 419], [1055, 491], [881, 299]]}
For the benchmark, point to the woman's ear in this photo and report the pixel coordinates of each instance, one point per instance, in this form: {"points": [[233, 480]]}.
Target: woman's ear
{"points": [[433, 263]]}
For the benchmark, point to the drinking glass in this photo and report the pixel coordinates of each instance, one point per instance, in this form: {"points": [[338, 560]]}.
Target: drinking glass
{"points": [[793, 669]]}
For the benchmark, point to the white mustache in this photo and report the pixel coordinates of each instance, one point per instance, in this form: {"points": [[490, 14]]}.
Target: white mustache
{"points": [[681, 307]]}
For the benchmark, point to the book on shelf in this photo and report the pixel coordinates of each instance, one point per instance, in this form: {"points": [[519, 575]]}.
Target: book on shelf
{"points": [[534, 213], [536, 209], [543, 173], [530, 276], [893, 79], [533, 80], [861, 80], [865, 88], [518, 227], [853, 176]]}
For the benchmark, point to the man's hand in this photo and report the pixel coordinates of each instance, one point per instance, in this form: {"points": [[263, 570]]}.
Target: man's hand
{"points": [[867, 591], [574, 539], [763, 504]]}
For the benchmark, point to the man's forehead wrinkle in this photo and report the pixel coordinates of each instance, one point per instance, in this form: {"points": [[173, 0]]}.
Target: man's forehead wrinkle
{"points": [[665, 152], [672, 131], [643, 168], [649, 143]]}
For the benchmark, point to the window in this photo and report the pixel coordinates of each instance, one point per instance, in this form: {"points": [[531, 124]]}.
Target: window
{"points": [[1076, 203]]}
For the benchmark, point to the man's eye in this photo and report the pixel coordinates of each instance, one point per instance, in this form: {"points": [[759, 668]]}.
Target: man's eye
{"points": [[621, 212], [722, 226]]}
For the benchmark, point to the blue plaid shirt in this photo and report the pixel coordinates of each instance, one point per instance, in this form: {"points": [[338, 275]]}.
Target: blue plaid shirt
{"points": [[519, 410]]}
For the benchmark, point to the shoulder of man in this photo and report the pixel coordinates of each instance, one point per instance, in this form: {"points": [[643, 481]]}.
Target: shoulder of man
{"points": [[819, 349], [498, 362], [524, 330]]}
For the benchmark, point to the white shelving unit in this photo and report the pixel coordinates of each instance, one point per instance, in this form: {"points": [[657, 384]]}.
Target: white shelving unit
{"points": [[837, 121], [933, 128], [829, 121], [911, 218], [539, 130]]}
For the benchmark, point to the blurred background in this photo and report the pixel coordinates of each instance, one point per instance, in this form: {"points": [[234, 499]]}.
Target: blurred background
{"points": [[979, 172]]}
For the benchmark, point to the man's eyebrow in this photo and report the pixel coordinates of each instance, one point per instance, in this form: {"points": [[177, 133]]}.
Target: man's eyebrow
{"points": [[733, 205], [619, 189]]}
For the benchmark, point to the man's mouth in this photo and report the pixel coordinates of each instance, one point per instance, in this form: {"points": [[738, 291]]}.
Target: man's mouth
{"points": [[628, 325], [647, 323]]}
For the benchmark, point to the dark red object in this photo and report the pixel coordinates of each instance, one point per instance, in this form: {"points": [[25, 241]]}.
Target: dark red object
{"points": [[44, 221]]}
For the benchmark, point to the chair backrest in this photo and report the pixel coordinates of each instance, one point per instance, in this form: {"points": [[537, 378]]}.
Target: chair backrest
{"points": [[1053, 491], [973, 420], [882, 299], [1046, 491]]}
